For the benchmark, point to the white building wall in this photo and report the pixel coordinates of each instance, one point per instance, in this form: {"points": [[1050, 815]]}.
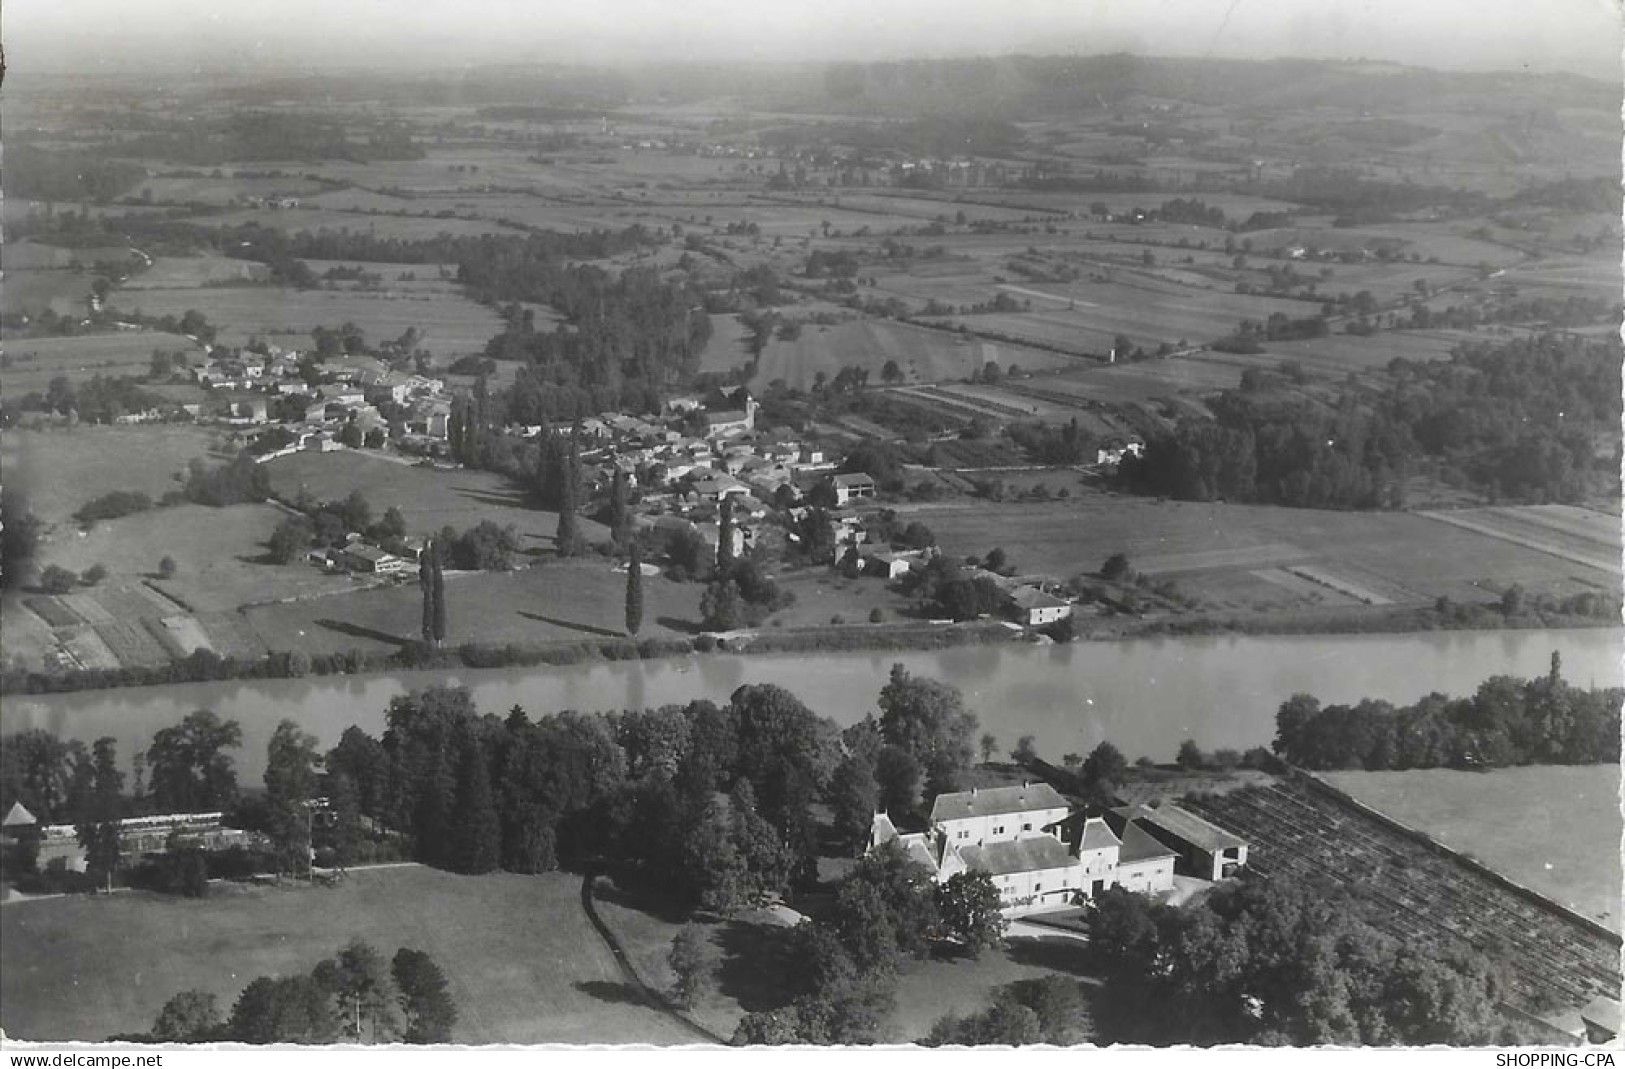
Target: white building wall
{"points": [[1044, 889], [1147, 877], [974, 831]]}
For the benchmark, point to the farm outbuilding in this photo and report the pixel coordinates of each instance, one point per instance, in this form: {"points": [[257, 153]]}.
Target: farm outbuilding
{"points": [[1202, 850]]}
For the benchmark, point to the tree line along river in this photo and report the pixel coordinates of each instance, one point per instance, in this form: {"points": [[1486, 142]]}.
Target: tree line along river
{"points": [[1145, 695]]}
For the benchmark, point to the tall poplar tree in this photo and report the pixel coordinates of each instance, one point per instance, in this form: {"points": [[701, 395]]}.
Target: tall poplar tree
{"points": [[568, 540], [426, 582], [619, 516], [634, 592], [725, 537], [476, 844], [438, 583]]}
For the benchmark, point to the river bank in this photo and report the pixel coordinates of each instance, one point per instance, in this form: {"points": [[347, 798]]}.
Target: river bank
{"points": [[1145, 694], [206, 667]]}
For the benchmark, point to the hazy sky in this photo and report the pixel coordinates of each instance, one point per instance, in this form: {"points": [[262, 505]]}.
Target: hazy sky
{"points": [[1582, 36]]}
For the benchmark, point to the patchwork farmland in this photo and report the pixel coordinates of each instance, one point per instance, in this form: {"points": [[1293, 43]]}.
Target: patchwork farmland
{"points": [[1418, 894], [451, 324], [1538, 825], [1237, 556]]}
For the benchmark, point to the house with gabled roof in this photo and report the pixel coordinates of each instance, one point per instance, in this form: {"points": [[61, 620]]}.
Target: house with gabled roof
{"points": [[1202, 849], [1035, 607], [1039, 853]]}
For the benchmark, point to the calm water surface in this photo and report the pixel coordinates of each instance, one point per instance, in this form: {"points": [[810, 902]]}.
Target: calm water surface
{"points": [[1145, 695]]}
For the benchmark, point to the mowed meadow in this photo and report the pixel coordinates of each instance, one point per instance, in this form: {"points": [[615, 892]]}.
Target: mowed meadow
{"points": [[1547, 827], [1246, 556], [523, 963], [451, 325]]}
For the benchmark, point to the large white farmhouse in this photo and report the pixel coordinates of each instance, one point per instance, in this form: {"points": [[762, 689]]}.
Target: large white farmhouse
{"points": [[1040, 854]]}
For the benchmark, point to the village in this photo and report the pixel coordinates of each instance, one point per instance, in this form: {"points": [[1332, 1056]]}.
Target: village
{"points": [[684, 467]]}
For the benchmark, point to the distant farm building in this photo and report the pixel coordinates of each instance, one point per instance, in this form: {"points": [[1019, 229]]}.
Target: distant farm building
{"points": [[374, 561], [1035, 608], [850, 487]]}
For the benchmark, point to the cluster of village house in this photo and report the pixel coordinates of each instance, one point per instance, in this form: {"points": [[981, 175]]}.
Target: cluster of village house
{"points": [[243, 386], [1043, 855], [683, 464]]}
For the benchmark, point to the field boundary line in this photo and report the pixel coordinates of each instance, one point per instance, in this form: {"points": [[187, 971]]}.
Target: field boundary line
{"points": [[653, 998], [1478, 868], [1488, 531]]}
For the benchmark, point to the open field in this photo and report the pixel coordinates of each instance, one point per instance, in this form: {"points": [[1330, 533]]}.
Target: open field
{"points": [[62, 468], [556, 602], [209, 545], [922, 355], [429, 498], [225, 190], [34, 362], [1143, 381], [27, 255], [1338, 354], [524, 964], [1214, 550], [1596, 276], [1088, 315], [1431, 902], [1552, 828], [451, 324], [183, 272], [727, 348], [62, 291], [403, 227], [1574, 534], [823, 594]]}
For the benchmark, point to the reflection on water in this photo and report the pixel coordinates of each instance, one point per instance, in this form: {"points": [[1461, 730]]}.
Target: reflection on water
{"points": [[1145, 695]]}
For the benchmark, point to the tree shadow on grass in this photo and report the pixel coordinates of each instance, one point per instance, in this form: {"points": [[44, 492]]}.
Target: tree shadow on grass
{"points": [[606, 890], [756, 970], [509, 499], [601, 632], [672, 623], [1058, 954], [617, 994], [357, 631]]}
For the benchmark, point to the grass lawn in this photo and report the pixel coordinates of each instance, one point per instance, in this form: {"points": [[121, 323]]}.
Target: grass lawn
{"points": [[558, 601], [429, 498], [922, 355], [930, 990], [217, 553], [1404, 557], [823, 594], [34, 362], [62, 468], [451, 325], [523, 962], [1553, 828]]}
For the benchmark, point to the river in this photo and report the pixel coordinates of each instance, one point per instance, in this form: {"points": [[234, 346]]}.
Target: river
{"points": [[1145, 695]]}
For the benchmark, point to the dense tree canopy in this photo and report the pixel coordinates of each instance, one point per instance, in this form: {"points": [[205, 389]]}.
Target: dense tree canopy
{"points": [[1516, 419], [188, 767], [1276, 963], [1507, 721], [929, 721]]}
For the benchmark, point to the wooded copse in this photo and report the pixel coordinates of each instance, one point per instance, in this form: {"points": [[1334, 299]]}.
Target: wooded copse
{"points": [[1508, 721], [356, 996], [710, 803], [1518, 420]]}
